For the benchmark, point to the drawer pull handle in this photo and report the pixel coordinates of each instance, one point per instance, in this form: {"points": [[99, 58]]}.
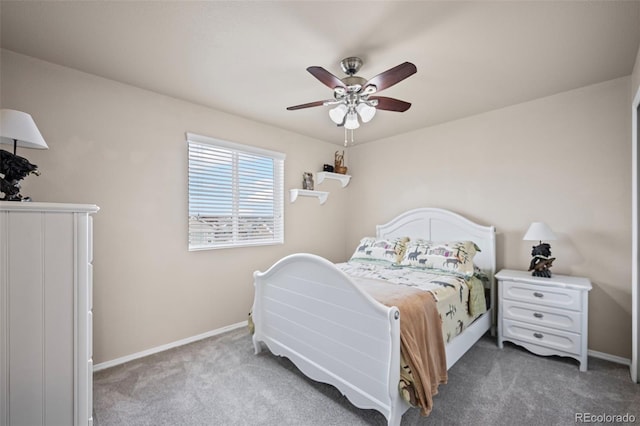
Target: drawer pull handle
{"points": [[538, 294], [538, 315], [538, 335]]}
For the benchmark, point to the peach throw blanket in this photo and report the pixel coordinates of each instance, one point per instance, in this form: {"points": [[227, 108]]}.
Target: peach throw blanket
{"points": [[421, 340]]}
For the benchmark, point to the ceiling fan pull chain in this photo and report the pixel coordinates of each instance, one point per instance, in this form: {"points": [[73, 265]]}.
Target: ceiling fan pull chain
{"points": [[345, 137]]}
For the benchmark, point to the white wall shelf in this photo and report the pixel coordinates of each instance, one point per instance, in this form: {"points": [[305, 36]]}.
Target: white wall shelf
{"points": [[344, 179], [320, 195]]}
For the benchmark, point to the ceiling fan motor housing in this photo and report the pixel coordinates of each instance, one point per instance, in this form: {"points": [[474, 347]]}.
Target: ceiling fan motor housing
{"points": [[351, 65], [354, 83]]}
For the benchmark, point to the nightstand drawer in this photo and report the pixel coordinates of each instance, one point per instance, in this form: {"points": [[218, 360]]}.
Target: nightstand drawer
{"points": [[550, 296], [542, 315], [543, 336]]}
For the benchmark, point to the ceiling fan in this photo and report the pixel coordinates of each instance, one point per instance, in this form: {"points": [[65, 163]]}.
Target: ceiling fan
{"points": [[353, 95]]}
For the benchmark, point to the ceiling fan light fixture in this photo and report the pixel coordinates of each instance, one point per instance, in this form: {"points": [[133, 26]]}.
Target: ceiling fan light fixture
{"points": [[337, 114], [351, 122], [366, 112], [351, 101]]}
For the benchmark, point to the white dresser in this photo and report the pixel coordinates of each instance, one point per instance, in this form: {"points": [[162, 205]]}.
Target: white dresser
{"points": [[548, 316], [45, 314]]}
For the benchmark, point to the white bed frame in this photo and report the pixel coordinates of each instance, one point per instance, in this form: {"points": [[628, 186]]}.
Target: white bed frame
{"points": [[308, 310]]}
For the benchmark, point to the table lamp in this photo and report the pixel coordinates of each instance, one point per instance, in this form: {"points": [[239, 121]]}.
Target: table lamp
{"points": [[542, 260]]}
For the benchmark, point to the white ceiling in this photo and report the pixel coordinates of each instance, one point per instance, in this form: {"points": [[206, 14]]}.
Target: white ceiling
{"points": [[250, 58]]}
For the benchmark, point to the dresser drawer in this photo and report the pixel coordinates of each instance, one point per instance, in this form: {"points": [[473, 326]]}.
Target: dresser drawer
{"points": [[549, 296], [542, 315], [543, 336]]}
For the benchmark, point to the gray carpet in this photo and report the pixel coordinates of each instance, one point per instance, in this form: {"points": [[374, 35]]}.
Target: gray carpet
{"points": [[219, 381]]}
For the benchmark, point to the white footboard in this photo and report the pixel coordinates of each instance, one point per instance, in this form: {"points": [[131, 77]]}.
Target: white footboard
{"points": [[312, 313]]}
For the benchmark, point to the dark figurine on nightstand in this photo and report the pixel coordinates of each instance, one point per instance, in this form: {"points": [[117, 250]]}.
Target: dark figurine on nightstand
{"points": [[541, 261]]}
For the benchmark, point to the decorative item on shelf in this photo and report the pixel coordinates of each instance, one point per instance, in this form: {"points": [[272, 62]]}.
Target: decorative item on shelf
{"points": [[542, 260], [327, 168], [339, 163], [17, 128], [307, 181]]}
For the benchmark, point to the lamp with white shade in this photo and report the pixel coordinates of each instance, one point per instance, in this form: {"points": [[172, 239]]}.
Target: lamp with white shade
{"points": [[542, 260], [17, 128]]}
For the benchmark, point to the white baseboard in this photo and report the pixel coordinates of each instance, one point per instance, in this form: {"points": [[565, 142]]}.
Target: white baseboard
{"points": [[122, 360], [609, 357]]}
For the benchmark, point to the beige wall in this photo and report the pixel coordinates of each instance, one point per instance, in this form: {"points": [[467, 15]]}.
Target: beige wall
{"points": [[124, 149], [563, 159], [635, 77]]}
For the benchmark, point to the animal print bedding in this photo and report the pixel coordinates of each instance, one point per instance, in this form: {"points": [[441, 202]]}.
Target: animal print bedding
{"points": [[459, 301]]}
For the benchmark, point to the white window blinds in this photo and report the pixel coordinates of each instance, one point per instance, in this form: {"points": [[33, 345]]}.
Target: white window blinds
{"points": [[236, 194]]}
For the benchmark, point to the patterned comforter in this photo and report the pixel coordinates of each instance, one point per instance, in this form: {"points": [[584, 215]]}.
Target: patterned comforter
{"points": [[459, 301]]}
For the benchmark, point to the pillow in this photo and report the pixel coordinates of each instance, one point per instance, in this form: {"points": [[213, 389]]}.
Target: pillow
{"points": [[371, 249], [448, 256]]}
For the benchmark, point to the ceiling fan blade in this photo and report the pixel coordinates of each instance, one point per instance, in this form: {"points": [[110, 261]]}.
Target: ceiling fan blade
{"points": [[390, 104], [326, 78], [307, 105], [392, 76]]}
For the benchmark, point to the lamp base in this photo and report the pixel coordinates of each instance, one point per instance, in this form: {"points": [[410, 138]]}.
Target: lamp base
{"points": [[540, 266], [541, 261], [13, 169], [545, 273]]}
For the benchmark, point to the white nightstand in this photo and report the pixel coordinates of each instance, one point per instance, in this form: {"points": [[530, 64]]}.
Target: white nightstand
{"points": [[547, 316]]}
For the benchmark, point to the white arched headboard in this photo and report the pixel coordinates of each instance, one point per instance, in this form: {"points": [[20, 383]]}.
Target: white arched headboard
{"points": [[435, 224]]}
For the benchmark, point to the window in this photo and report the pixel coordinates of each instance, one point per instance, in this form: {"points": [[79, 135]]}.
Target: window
{"points": [[236, 194]]}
